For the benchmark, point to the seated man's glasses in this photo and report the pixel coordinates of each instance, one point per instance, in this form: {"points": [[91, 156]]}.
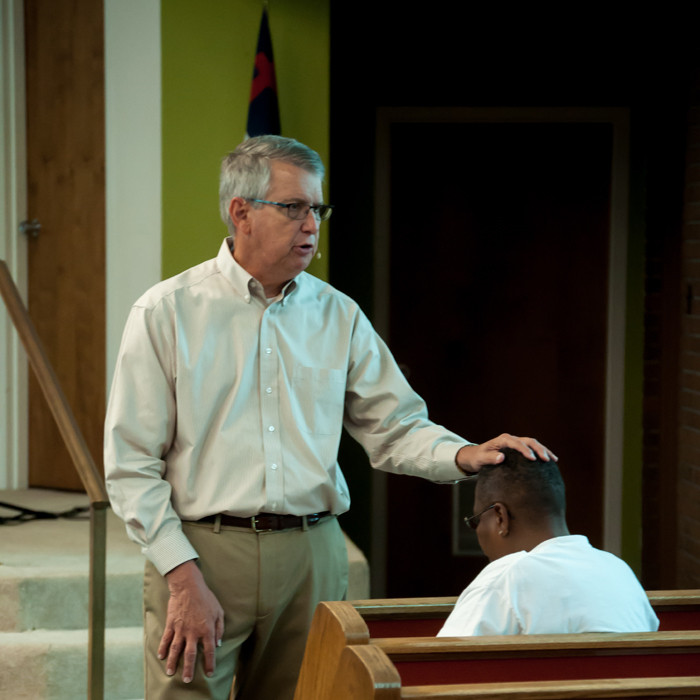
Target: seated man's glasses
{"points": [[300, 210], [474, 520]]}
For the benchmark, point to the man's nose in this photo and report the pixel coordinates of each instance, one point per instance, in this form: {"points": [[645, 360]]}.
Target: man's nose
{"points": [[311, 222]]}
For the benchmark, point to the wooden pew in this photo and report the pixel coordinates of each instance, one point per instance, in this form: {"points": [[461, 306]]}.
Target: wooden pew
{"points": [[337, 625], [446, 660], [676, 610], [365, 672], [423, 617]]}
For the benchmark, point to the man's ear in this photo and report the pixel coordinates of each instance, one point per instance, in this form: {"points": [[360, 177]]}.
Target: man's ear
{"points": [[503, 521], [238, 210]]}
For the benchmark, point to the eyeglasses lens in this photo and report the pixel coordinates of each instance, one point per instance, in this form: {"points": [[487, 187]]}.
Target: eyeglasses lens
{"points": [[322, 212]]}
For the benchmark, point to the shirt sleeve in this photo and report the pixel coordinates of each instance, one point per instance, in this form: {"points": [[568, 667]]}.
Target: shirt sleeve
{"points": [[139, 429], [388, 418], [481, 611]]}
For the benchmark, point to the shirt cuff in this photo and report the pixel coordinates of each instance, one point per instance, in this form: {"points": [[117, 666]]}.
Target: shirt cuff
{"points": [[446, 469], [171, 551]]}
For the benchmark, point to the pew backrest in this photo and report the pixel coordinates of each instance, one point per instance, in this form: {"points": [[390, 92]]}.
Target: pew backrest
{"points": [[423, 617], [366, 673], [676, 610], [446, 660], [335, 626]]}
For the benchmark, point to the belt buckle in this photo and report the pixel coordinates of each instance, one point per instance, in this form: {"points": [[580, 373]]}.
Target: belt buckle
{"points": [[254, 525]]}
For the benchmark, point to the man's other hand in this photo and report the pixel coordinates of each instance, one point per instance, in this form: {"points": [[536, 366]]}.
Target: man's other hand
{"points": [[194, 615], [472, 457]]}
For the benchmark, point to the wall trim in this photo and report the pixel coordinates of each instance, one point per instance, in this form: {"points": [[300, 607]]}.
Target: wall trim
{"points": [[14, 465]]}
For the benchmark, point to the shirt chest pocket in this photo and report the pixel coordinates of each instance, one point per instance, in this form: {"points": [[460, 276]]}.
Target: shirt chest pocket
{"points": [[319, 399]]}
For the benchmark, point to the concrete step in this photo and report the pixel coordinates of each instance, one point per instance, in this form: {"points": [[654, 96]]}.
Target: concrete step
{"points": [[44, 598], [55, 599], [52, 665], [44, 567]]}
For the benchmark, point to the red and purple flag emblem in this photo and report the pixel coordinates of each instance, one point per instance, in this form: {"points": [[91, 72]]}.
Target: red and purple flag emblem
{"points": [[263, 111]]}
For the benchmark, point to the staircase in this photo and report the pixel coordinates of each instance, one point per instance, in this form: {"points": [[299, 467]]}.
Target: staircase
{"points": [[44, 595], [43, 604]]}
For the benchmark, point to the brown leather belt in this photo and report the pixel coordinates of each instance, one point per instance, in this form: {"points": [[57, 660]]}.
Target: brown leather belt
{"points": [[265, 522]]}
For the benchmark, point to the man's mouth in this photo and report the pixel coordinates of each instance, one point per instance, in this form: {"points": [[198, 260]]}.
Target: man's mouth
{"points": [[305, 248]]}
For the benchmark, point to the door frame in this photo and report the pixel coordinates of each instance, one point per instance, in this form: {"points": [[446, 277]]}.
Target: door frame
{"points": [[14, 403], [617, 287]]}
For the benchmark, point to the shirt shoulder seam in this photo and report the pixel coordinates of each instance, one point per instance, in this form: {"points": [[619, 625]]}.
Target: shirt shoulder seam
{"points": [[165, 295]]}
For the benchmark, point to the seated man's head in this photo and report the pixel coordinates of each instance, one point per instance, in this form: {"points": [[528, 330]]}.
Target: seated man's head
{"points": [[518, 504]]}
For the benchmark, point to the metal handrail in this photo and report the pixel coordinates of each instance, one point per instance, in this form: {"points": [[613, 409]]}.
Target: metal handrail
{"points": [[89, 475]]}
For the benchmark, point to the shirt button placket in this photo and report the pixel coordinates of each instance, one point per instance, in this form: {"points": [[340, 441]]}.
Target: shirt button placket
{"points": [[269, 399]]}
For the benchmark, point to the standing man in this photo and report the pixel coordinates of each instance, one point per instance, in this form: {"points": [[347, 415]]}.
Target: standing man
{"points": [[232, 385]]}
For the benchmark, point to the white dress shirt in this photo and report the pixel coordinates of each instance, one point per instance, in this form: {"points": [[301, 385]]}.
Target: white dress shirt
{"points": [[561, 586], [222, 402]]}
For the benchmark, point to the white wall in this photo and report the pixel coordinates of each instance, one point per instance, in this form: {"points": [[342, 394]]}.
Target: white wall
{"points": [[13, 209], [133, 138]]}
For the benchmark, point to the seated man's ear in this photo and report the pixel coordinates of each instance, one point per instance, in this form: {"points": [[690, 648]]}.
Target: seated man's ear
{"points": [[502, 519]]}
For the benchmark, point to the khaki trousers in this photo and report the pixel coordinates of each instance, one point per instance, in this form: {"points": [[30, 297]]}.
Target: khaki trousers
{"points": [[268, 584]]}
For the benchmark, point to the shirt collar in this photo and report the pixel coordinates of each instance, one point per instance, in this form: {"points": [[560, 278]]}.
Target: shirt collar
{"points": [[240, 279]]}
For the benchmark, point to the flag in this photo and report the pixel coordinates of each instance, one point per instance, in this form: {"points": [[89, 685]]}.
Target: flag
{"points": [[263, 110]]}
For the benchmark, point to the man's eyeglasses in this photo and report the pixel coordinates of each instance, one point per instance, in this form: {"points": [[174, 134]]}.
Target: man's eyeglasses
{"points": [[300, 210], [474, 520]]}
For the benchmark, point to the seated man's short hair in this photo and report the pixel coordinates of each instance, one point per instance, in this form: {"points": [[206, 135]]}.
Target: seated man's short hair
{"points": [[534, 488]]}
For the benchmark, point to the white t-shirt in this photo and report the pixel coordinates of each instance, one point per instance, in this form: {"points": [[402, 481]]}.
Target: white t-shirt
{"points": [[563, 585]]}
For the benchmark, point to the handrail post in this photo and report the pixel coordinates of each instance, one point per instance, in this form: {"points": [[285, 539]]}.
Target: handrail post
{"points": [[84, 464], [96, 637]]}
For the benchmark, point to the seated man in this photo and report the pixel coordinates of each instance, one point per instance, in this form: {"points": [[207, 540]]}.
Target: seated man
{"points": [[541, 579]]}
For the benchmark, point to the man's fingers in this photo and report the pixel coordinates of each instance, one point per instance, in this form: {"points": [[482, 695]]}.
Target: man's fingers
{"points": [[219, 633], [490, 452], [165, 642], [491, 456], [542, 452], [209, 648], [189, 659], [550, 454], [176, 647], [506, 440]]}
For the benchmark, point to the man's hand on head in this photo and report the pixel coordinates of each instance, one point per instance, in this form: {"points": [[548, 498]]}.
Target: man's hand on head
{"points": [[472, 457], [194, 616]]}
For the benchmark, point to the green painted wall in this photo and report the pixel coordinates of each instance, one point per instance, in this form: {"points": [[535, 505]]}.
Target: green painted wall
{"points": [[634, 366], [208, 49]]}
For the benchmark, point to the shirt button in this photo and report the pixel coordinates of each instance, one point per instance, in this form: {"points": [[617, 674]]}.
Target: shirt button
{"points": [[273, 466], [247, 297], [274, 506], [272, 428], [268, 350], [268, 390]]}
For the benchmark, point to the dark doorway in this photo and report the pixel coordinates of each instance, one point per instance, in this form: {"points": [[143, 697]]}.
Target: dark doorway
{"points": [[498, 308]]}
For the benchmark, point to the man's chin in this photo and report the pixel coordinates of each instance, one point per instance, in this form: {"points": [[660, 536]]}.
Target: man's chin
{"points": [[306, 259]]}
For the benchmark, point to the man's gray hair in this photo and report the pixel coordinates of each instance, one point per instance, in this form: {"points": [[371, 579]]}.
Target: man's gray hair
{"points": [[245, 172]]}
